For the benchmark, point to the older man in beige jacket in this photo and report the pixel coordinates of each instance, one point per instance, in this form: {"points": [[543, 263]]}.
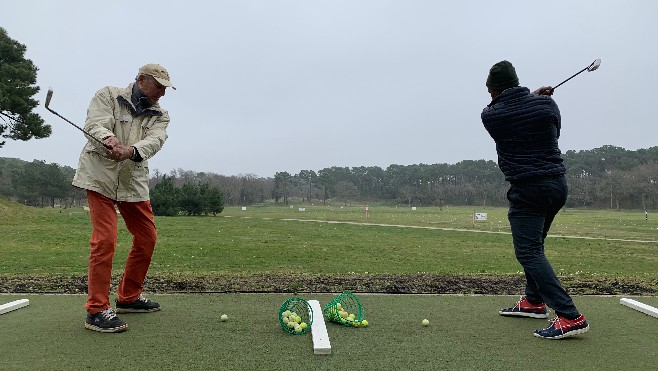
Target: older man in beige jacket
{"points": [[134, 128]]}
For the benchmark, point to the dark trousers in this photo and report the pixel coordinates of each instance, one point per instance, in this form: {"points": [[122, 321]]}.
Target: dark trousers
{"points": [[533, 205]]}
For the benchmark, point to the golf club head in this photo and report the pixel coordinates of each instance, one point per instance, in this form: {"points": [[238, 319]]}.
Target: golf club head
{"points": [[49, 96], [594, 65]]}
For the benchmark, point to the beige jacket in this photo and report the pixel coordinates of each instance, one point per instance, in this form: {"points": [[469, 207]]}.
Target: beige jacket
{"points": [[127, 180]]}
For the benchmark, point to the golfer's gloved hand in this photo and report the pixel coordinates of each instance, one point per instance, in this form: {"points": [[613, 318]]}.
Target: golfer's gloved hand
{"points": [[544, 90]]}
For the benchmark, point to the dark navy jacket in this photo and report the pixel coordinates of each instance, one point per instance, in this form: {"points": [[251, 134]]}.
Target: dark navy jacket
{"points": [[526, 128]]}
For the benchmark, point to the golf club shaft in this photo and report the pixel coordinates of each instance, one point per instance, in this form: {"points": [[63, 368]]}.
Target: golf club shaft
{"points": [[579, 72], [49, 97]]}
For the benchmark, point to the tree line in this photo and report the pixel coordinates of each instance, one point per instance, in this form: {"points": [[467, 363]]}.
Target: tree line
{"points": [[40, 184], [605, 177]]}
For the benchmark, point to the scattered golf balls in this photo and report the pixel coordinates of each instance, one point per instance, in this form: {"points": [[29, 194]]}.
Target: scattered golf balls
{"points": [[426, 322], [364, 323], [224, 317]]}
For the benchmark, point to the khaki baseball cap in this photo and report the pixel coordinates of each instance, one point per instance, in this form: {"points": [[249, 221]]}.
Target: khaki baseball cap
{"points": [[158, 72]]}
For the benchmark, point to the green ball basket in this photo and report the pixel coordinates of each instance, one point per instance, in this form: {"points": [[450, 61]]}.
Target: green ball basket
{"points": [[303, 310], [348, 303]]}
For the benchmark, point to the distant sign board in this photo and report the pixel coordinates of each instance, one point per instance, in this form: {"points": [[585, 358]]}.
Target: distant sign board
{"points": [[480, 216]]}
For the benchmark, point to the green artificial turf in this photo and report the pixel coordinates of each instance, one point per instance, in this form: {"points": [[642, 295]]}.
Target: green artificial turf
{"points": [[465, 333]]}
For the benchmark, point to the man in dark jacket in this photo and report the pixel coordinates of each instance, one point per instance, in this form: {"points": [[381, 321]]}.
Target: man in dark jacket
{"points": [[526, 128]]}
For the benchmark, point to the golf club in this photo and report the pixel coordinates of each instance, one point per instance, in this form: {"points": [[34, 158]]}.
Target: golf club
{"points": [[49, 96], [590, 68]]}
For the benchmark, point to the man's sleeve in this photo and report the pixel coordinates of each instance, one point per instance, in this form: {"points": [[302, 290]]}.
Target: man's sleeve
{"points": [[100, 115], [558, 118], [154, 137]]}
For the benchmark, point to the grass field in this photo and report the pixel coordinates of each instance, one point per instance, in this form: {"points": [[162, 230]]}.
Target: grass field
{"points": [[336, 245], [340, 242]]}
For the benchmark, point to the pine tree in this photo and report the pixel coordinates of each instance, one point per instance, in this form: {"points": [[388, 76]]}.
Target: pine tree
{"points": [[17, 78]]}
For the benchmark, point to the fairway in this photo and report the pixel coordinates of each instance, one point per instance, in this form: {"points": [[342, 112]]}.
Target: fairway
{"points": [[465, 333], [333, 248]]}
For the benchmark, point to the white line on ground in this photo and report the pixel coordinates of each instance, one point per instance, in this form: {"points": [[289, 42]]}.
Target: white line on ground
{"points": [[450, 229]]}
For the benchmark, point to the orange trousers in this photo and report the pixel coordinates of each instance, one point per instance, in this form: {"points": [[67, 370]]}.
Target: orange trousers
{"points": [[138, 217]]}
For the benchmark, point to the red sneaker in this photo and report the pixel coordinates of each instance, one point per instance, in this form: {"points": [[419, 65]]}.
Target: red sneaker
{"points": [[524, 308], [561, 327]]}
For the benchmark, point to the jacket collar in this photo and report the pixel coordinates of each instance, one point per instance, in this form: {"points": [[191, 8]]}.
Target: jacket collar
{"points": [[134, 98], [508, 93]]}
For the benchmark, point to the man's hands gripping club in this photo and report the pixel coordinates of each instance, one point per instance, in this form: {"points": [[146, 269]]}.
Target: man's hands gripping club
{"points": [[544, 90], [116, 150]]}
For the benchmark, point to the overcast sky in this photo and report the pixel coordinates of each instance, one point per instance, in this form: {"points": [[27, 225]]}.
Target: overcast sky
{"points": [[267, 86]]}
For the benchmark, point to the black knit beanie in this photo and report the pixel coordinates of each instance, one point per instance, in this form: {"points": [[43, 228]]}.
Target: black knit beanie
{"points": [[502, 76]]}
